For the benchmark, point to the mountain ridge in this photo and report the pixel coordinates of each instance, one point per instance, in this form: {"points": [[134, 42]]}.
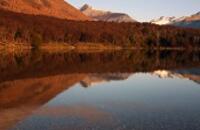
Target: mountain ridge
{"points": [[192, 21], [108, 16], [54, 8]]}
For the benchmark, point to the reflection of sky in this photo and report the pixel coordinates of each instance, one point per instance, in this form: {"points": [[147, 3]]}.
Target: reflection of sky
{"points": [[143, 89], [142, 101]]}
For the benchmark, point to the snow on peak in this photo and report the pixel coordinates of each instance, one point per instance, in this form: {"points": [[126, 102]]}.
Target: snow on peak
{"points": [[163, 20], [184, 21]]}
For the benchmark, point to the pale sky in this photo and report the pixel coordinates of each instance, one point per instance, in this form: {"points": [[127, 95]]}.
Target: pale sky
{"points": [[144, 10]]}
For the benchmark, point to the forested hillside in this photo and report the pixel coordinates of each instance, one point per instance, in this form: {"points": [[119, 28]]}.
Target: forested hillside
{"points": [[25, 28]]}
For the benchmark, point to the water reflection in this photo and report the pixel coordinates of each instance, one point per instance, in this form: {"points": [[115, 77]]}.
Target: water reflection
{"points": [[103, 90], [40, 64]]}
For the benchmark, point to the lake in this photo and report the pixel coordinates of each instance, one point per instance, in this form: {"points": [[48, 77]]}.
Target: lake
{"points": [[100, 90]]}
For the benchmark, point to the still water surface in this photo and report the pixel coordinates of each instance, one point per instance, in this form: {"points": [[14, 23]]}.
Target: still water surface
{"points": [[84, 94]]}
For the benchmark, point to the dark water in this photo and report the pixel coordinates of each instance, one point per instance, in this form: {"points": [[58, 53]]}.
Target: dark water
{"points": [[121, 90]]}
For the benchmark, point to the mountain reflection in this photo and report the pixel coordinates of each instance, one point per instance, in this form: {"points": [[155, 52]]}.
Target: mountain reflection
{"points": [[93, 79], [30, 80], [190, 74], [41, 64]]}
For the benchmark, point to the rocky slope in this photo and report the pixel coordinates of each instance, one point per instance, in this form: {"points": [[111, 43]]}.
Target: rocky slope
{"points": [[55, 8], [190, 21], [99, 15], [194, 17]]}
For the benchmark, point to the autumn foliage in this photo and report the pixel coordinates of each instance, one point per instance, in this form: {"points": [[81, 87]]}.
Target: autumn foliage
{"points": [[17, 27]]}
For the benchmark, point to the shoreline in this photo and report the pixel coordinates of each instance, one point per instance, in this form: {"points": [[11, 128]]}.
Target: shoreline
{"points": [[82, 47], [59, 46]]}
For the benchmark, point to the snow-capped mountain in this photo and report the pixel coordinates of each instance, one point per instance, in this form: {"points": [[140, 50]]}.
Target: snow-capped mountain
{"points": [[167, 20], [99, 15], [163, 20], [192, 21], [95, 79]]}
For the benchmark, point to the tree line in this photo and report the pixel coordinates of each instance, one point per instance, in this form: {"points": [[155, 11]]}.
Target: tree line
{"points": [[23, 28]]}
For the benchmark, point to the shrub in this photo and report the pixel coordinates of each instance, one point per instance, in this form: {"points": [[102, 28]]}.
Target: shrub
{"points": [[132, 39], [36, 40], [68, 38], [150, 42], [164, 42], [18, 34], [107, 37], [84, 37]]}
